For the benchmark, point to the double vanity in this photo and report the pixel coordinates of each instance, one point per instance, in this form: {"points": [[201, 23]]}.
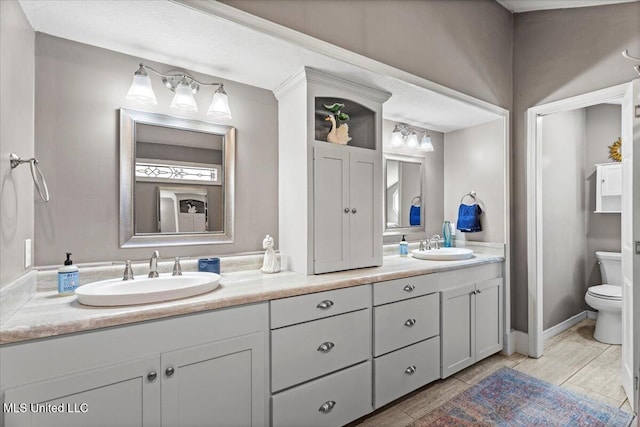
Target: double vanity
{"points": [[283, 350]]}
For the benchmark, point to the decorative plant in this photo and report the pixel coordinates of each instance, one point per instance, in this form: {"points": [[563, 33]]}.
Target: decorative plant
{"points": [[335, 109]]}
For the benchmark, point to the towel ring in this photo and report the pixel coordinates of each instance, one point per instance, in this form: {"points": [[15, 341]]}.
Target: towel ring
{"points": [[38, 177], [471, 194], [413, 201]]}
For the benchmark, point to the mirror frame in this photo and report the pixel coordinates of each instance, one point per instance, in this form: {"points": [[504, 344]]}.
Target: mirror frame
{"points": [[128, 238], [404, 230]]}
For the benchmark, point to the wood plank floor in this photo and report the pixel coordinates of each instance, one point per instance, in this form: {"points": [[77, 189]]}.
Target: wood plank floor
{"points": [[572, 359]]}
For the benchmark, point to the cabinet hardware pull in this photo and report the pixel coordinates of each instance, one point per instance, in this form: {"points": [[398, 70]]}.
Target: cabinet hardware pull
{"points": [[346, 210], [170, 371], [324, 305], [410, 370], [326, 347], [353, 210], [327, 406], [152, 375], [409, 288], [479, 291], [473, 292], [410, 322]]}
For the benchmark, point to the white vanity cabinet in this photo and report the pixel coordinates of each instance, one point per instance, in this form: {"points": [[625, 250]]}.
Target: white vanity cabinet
{"points": [[406, 320], [320, 358], [472, 323], [609, 188], [204, 369], [347, 221], [330, 205]]}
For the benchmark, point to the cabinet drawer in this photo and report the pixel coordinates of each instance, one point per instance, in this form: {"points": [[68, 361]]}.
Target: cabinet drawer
{"points": [[401, 289], [306, 351], [289, 311], [393, 372], [405, 322], [349, 390]]}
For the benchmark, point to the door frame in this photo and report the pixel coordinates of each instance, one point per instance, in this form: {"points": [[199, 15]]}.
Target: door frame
{"points": [[534, 200]]}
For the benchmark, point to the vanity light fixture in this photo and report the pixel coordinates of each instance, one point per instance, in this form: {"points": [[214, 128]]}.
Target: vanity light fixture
{"points": [[405, 136], [184, 86]]}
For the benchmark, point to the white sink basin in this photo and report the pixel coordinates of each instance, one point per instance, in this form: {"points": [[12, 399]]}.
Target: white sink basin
{"points": [[443, 254], [144, 290]]}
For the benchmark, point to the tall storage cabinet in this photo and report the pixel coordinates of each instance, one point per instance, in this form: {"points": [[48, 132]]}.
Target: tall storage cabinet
{"points": [[330, 195]]}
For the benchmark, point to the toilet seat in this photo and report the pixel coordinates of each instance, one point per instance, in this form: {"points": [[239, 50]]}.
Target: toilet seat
{"points": [[609, 292]]}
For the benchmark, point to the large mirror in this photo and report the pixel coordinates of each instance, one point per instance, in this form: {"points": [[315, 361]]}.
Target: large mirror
{"points": [[176, 181], [403, 194]]}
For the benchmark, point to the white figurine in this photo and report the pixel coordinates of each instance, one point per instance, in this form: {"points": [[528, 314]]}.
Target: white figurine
{"points": [[270, 263]]}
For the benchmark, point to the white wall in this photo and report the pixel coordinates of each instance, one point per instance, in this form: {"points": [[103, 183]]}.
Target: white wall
{"points": [[474, 160], [564, 213], [16, 135], [78, 91]]}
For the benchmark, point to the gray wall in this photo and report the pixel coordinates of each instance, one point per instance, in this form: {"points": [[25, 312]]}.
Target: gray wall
{"points": [[433, 181], [563, 213], [603, 124], [462, 44], [474, 160], [557, 54], [78, 91], [16, 135]]}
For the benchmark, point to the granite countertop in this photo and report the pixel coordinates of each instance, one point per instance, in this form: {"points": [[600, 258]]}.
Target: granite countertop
{"points": [[46, 314]]}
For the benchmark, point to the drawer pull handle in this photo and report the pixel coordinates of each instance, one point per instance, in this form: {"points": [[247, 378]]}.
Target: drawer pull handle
{"points": [[409, 288], [169, 371], [327, 406], [410, 370], [409, 323], [325, 305], [152, 376], [326, 347]]}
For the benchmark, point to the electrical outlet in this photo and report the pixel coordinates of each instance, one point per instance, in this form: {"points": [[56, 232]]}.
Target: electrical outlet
{"points": [[27, 253]]}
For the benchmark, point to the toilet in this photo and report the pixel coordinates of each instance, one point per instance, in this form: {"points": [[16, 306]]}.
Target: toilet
{"points": [[607, 298]]}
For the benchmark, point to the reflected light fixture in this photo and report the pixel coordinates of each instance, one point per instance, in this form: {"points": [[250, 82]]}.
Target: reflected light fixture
{"points": [[184, 86], [405, 136]]}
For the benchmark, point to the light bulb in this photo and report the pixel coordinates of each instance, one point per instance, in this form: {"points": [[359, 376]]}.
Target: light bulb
{"points": [[183, 99], [219, 107], [396, 138], [425, 143], [141, 90], [412, 140]]}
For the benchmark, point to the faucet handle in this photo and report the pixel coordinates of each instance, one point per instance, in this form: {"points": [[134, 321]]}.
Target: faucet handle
{"points": [[128, 271], [177, 269]]}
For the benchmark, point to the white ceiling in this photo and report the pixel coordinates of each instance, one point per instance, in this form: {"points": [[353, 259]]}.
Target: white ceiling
{"points": [[183, 37], [517, 6]]}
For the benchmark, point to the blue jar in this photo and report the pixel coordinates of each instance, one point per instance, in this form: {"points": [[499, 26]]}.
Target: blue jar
{"points": [[210, 265]]}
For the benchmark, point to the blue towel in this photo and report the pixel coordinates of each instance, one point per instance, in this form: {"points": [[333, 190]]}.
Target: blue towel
{"points": [[469, 218], [414, 215]]}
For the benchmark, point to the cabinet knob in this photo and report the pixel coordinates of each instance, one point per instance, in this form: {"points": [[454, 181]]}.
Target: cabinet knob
{"points": [[152, 375], [326, 347], [410, 370], [346, 210], [170, 371], [353, 210], [325, 305], [479, 291], [410, 322], [473, 292], [409, 288], [327, 406]]}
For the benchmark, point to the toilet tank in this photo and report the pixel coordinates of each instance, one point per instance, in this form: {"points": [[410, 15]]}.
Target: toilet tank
{"points": [[610, 267]]}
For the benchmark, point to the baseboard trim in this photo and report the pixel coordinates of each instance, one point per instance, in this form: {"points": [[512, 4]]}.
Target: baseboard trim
{"points": [[520, 342], [563, 326], [593, 315]]}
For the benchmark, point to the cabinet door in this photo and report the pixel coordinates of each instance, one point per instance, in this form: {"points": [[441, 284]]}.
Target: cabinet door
{"points": [[216, 384], [365, 201], [489, 315], [119, 395], [612, 180], [458, 329], [331, 209]]}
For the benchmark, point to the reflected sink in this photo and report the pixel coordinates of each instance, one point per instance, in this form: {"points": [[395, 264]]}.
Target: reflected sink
{"points": [[145, 290], [443, 254]]}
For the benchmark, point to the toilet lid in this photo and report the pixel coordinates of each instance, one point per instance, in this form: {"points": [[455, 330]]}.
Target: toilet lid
{"points": [[606, 291]]}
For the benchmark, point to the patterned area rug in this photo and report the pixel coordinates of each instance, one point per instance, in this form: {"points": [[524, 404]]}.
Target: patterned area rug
{"points": [[511, 398]]}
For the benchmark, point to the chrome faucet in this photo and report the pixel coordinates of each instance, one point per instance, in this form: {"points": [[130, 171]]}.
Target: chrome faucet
{"points": [[433, 238], [177, 269], [153, 264], [128, 272]]}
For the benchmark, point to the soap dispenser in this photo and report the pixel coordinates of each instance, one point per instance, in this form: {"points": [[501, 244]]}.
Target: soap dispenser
{"points": [[404, 247], [67, 277]]}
